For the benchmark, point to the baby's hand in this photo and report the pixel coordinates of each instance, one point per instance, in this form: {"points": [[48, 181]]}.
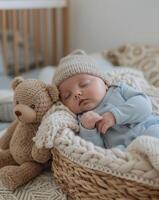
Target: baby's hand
{"points": [[108, 120], [89, 119]]}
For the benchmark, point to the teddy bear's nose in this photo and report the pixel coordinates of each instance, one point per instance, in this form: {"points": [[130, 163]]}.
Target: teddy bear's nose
{"points": [[18, 113]]}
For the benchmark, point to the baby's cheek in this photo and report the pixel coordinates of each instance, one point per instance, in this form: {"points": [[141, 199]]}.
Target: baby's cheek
{"points": [[73, 107], [67, 104]]}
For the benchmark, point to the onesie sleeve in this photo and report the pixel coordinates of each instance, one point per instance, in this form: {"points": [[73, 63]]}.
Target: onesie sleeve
{"points": [[135, 109], [91, 135]]}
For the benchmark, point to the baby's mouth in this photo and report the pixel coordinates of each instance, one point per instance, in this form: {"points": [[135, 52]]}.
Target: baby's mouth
{"points": [[82, 101]]}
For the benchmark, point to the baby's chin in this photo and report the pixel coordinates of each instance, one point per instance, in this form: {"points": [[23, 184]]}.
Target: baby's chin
{"points": [[88, 107]]}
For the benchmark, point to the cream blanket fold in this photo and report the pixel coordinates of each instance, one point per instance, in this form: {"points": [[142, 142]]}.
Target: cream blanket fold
{"points": [[147, 147], [55, 120]]}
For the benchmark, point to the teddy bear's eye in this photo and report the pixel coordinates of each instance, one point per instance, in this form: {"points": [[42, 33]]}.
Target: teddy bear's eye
{"points": [[17, 102], [32, 106]]}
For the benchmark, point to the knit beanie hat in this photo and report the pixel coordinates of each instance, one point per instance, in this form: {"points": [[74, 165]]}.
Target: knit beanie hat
{"points": [[78, 62]]}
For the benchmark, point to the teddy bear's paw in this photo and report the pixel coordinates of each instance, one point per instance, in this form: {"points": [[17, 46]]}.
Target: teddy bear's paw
{"points": [[7, 179]]}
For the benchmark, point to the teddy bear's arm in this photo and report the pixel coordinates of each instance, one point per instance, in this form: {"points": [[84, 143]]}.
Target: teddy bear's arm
{"points": [[5, 139], [41, 155]]}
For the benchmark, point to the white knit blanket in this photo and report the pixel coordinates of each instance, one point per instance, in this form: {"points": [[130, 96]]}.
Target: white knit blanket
{"points": [[53, 123], [140, 161]]}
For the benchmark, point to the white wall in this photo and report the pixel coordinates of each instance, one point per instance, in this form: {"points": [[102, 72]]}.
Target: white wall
{"points": [[102, 24]]}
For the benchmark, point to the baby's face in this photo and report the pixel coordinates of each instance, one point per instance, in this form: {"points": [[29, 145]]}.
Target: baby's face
{"points": [[82, 92]]}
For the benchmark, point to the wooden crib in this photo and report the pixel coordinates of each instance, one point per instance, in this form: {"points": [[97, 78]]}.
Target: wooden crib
{"points": [[32, 33]]}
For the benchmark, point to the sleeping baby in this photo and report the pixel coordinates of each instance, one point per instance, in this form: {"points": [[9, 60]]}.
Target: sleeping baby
{"points": [[109, 115]]}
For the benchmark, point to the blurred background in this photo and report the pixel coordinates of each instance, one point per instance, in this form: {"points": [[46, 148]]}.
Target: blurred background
{"points": [[34, 35]]}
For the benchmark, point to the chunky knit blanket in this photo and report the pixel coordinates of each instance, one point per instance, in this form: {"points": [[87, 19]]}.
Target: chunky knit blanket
{"points": [[54, 122], [139, 162]]}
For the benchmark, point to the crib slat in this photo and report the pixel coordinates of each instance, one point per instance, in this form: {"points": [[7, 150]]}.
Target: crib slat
{"points": [[15, 42], [46, 52], [34, 36], [54, 36], [9, 16], [4, 40], [26, 37], [0, 20], [65, 24], [36, 33]]}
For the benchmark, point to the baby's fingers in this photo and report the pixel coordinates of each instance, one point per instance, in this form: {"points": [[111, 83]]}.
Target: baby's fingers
{"points": [[99, 125], [102, 127]]}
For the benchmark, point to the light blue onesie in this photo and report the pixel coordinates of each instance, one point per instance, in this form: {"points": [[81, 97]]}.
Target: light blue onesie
{"points": [[134, 117]]}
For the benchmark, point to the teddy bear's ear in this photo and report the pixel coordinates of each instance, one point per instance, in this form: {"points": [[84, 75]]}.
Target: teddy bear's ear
{"points": [[16, 81], [53, 92]]}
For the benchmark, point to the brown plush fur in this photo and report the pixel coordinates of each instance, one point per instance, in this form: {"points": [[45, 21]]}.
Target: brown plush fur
{"points": [[20, 160]]}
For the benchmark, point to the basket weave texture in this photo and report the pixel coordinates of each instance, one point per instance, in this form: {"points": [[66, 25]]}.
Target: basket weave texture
{"points": [[83, 183]]}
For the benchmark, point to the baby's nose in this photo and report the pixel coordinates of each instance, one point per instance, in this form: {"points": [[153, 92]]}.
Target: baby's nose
{"points": [[78, 94]]}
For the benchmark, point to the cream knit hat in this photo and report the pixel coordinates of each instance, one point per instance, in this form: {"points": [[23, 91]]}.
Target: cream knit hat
{"points": [[77, 62]]}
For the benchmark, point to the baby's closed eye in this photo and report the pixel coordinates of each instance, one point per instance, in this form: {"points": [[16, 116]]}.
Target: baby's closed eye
{"points": [[84, 83]]}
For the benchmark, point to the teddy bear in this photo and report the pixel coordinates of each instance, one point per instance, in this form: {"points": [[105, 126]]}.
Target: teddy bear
{"points": [[20, 160]]}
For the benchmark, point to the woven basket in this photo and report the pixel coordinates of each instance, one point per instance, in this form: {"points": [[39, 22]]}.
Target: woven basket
{"points": [[83, 183]]}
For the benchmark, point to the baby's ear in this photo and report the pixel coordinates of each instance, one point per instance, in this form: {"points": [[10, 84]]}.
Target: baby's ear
{"points": [[16, 81], [53, 92]]}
